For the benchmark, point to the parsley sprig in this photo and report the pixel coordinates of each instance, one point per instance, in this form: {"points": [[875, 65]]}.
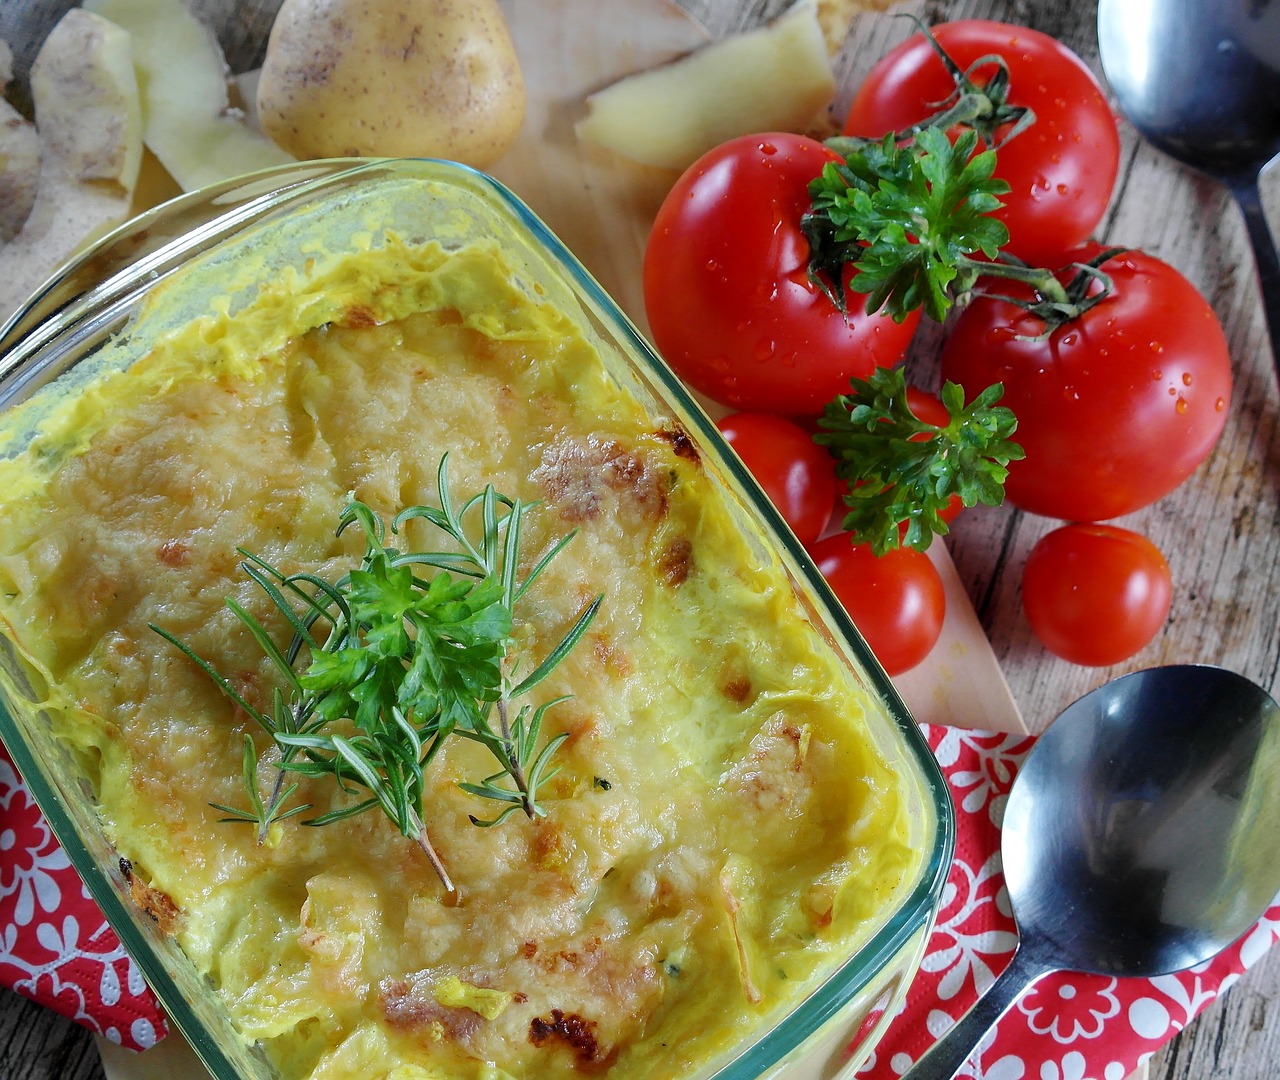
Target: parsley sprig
{"points": [[908, 218], [902, 471], [390, 660]]}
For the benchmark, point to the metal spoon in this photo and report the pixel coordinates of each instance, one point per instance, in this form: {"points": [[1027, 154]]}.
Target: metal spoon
{"points": [[1200, 79], [1141, 837]]}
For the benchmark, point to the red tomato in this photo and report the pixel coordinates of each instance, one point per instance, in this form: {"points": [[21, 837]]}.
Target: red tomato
{"points": [[927, 407], [1062, 169], [726, 285], [1096, 594], [796, 473], [896, 600], [1115, 409]]}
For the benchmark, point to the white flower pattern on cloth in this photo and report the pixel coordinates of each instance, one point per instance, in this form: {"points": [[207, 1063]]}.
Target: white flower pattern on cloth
{"points": [[30, 858], [55, 946], [1067, 1026]]}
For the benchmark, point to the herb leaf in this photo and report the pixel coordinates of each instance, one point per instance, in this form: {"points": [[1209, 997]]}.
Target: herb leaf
{"points": [[906, 217], [902, 471], [416, 650]]}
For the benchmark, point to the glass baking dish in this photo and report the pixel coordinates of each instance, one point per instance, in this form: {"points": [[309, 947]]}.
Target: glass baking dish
{"points": [[272, 221]]}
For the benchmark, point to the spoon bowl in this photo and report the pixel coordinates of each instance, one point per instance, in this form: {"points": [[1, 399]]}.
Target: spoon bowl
{"points": [[1200, 80], [1141, 836]]}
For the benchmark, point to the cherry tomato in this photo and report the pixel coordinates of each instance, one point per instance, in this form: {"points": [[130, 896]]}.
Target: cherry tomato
{"points": [[796, 473], [1062, 169], [1096, 594], [896, 600], [1115, 409], [929, 408], [726, 284]]}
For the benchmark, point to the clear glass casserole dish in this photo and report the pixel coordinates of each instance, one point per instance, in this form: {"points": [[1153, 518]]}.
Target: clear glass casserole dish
{"points": [[221, 251]]}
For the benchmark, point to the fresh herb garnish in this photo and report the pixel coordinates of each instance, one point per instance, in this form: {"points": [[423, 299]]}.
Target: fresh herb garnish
{"points": [[907, 217], [904, 471], [390, 660]]}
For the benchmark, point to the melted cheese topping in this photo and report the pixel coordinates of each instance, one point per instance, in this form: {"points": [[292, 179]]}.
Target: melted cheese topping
{"points": [[723, 830]]}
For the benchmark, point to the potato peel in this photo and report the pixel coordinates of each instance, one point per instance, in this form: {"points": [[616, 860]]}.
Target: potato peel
{"points": [[19, 159], [189, 124], [89, 128]]}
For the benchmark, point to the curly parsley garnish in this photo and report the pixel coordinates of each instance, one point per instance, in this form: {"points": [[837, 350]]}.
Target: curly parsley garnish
{"points": [[902, 471], [390, 660], [907, 218]]}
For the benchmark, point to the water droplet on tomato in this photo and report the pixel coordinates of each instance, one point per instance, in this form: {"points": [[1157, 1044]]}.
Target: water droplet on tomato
{"points": [[1173, 391], [1155, 346], [1182, 406], [1186, 378], [1071, 338], [1157, 374], [1220, 405], [766, 349], [1063, 189], [768, 148]]}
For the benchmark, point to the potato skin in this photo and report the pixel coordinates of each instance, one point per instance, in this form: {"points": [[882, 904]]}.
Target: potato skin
{"points": [[392, 78]]}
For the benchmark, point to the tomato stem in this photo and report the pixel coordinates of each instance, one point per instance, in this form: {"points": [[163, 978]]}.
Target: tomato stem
{"points": [[1054, 302], [983, 107]]}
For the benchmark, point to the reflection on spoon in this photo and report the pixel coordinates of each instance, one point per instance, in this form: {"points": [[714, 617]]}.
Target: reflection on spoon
{"points": [[1200, 79], [1141, 837]]}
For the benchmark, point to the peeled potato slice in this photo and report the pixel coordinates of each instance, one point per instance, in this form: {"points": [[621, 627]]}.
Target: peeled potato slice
{"points": [[776, 78], [189, 124]]}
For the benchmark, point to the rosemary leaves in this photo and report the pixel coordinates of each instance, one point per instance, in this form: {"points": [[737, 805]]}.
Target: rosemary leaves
{"points": [[390, 660]]}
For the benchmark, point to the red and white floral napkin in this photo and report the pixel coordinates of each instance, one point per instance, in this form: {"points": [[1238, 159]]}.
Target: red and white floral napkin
{"points": [[55, 947], [1068, 1026]]}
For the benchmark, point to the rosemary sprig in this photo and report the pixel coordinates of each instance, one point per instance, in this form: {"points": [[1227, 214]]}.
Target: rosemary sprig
{"points": [[391, 659], [902, 471]]}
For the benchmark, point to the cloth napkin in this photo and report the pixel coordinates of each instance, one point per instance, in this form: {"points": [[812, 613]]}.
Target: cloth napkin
{"points": [[55, 947]]}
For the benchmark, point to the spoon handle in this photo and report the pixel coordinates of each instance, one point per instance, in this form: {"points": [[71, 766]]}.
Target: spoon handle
{"points": [[947, 1056], [1249, 199]]}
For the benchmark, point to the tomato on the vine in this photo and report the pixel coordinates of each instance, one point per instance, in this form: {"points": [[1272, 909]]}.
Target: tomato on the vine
{"points": [[1115, 408], [727, 289], [1096, 594], [796, 473], [1062, 169], [896, 600]]}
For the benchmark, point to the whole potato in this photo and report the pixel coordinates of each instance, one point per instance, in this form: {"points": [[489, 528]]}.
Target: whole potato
{"points": [[392, 78]]}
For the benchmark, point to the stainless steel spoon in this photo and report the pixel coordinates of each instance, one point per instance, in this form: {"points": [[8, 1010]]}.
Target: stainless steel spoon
{"points": [[1141, 837], [1200, 79]]}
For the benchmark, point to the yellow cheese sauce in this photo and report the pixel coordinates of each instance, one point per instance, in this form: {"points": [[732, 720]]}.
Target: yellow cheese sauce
{"points": [[723, 830]]}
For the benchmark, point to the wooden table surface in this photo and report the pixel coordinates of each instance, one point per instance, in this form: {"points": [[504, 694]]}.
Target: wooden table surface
{"points": [[1220, 531]]}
